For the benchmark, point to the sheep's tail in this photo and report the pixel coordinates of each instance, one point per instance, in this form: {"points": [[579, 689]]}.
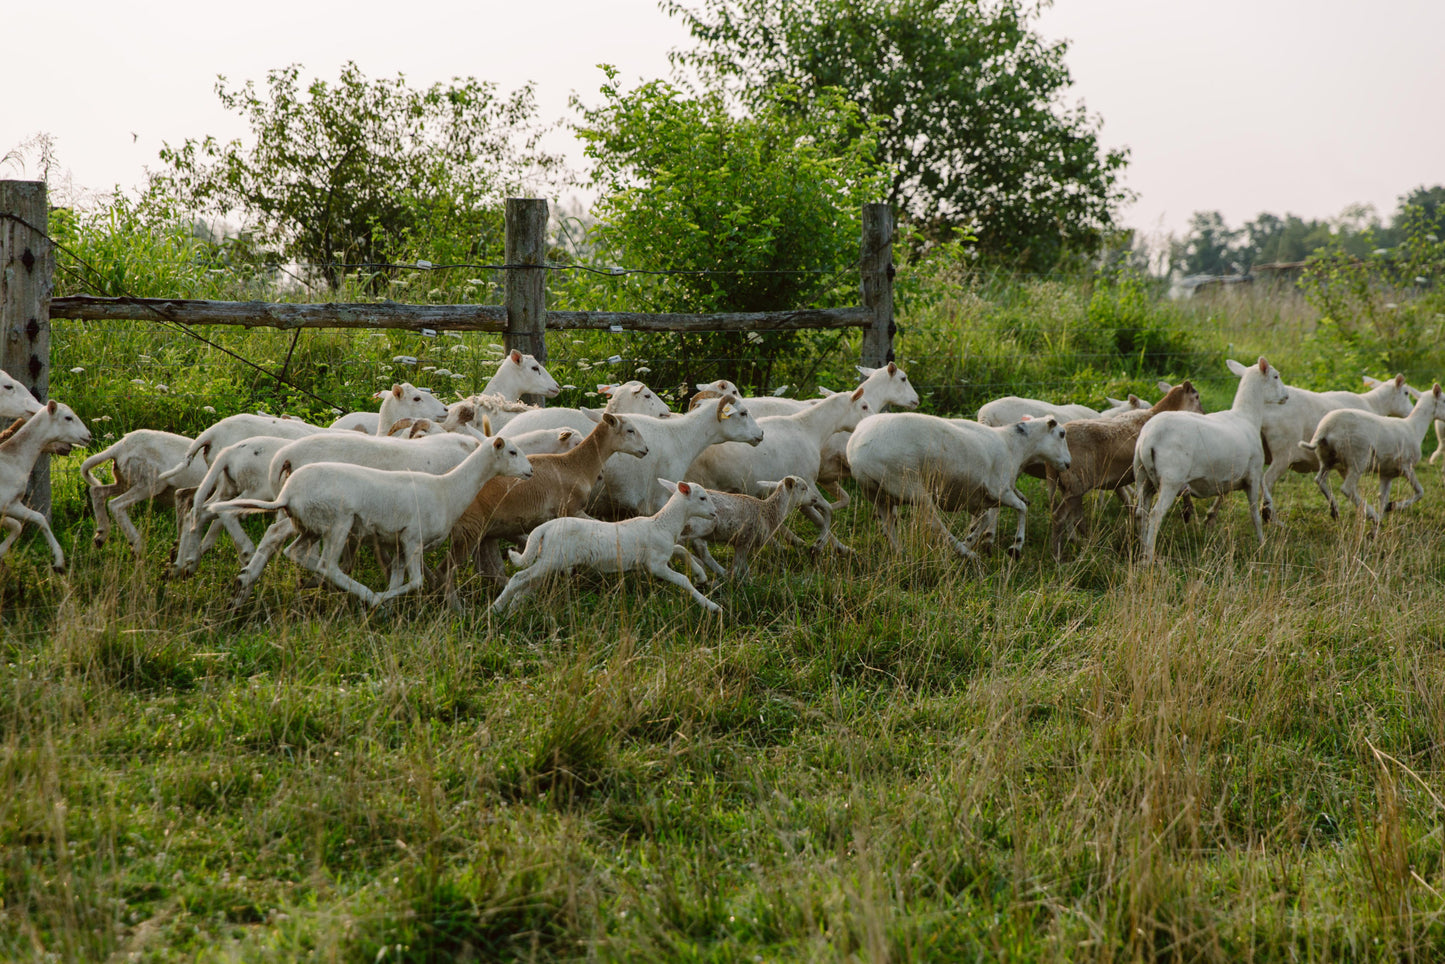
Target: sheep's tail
{"points": [[201, 446], [247, 506], [1311, 445], [103, 456], [530, 553], [1144, 460]]}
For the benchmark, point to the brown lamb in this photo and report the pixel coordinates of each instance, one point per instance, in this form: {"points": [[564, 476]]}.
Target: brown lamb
{"points": [[1101, 451]]}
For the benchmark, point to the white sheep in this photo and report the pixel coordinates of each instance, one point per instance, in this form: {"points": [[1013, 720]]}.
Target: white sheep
{"points": [[404, 400], [15, 399], [237, 428], [746, 524], [54, 428], [630, 487], [649, 542], [931, 462], [433, 454], [239, 471], [1355, 442], [1206, 454], [1012, 408], [629, 398], [517, 375], [140, 458], [327, 502]]}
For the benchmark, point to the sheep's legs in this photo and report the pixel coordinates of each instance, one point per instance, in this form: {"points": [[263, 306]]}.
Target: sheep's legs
{"points": [[700, 550], [522, 583], [19, 515], [660, 569], [1067, 511], [99, 496], [118, 506], [411, 554], [1405, 504], [329, 565], [1166, 497], [1257, 500], [680, 551], [278, 532], [1351, 491], [1322, 479]]}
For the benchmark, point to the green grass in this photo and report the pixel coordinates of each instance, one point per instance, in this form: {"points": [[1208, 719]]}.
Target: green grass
{"points": [[1234, 755]]}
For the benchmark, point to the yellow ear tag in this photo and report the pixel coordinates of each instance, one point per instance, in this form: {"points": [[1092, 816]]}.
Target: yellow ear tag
{"points": [[726, 413]]}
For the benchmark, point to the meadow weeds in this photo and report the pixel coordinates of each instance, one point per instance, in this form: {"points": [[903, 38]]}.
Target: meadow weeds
{"points": [[1235, 754]]}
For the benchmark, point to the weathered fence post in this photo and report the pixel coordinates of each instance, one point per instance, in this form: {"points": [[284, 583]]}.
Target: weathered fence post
{"points": [[526, 288], [877, 269], [27, 269]]}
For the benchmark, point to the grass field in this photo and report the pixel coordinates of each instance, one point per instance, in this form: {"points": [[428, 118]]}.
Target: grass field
{"points": [[1233, 755]]}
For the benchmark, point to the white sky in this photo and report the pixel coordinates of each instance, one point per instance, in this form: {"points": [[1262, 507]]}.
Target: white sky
{"points": [[1243, 106]]}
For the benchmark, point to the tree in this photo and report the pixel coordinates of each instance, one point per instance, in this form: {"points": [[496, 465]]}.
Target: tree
{"points": [[732, 213], [363, 171], [969, 105], [1209, 246]]}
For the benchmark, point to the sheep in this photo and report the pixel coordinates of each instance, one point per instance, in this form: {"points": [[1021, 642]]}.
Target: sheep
{"points": [[791, 445], [498, 411], [924, 460], [1287, 425], [747, 524], [404, 400], [1355, 442], [629, 398], [1206, 454], [243, 471], [54, 428], [1012, 408], [139, 458], [882, 387], [560, 485], [326, 502], [1102, 454], [433, 454], [517, 375], [237, 428], [629, 487], [548, 441], [15, 399], [648, 543]]}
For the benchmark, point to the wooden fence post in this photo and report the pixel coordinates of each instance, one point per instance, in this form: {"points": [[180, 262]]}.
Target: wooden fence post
{"points": [[27, 269], [877, 269], [526, 288]]}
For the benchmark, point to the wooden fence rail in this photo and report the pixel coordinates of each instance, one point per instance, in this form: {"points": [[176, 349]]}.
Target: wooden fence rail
{"points": [[27, 265]]}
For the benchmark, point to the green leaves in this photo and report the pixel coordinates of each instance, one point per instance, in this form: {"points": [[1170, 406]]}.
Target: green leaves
{"points": [[364, 170], [967, 102]]}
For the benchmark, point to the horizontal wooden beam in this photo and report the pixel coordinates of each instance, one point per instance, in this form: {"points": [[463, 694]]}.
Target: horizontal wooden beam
{"points": [[265, 314]]}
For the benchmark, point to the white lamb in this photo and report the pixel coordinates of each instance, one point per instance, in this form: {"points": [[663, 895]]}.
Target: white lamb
{"points": [[932, 462], [517, 375], [650, 543], [15, 399], [1355, 442], [747, 524], [1206, 455], [140, 458], [54, 428], [630, 487], [404, 400], [629, 398], [328, 502]]}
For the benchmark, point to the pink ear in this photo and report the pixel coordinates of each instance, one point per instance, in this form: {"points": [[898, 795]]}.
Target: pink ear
{"points": [[684, 488], [498, 442], [396, 390], [857, 394], [892, 369], [50, 406], [1026, 418], [1263, 365], [1399, 381], [516, 356]]}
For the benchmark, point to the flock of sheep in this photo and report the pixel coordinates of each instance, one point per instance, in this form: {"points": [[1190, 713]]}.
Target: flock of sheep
{"points": [[636, 486]]}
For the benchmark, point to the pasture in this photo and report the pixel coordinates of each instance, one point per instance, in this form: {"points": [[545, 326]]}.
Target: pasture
{"points": [[1234, 754]]}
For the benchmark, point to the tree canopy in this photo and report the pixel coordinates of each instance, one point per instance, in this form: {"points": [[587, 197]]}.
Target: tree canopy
{"points": [[968, 100], [363, 170]]}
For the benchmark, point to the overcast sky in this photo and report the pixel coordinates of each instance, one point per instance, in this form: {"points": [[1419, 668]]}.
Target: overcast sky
{"points": [[1240, 106]]}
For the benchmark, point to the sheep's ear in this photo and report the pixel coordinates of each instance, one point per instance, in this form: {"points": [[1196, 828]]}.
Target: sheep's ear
{"points": [[1051, 424], [50, 406], [498, 443], [606, 390], [516, 357], [766, 488], [865, 372], [892, 369], [684, 488], [703, 387], [1163, 386], [610, 419], [669, 486], [857, 394], [1437, 390], [1187, 385], [1135, 400], [565, 434], [1235, 366], [486, 425], [1026, 418], [825, 392], [1116, 401], [638, 387], [1400, 381], [1372, 382], [1263, 365], [397, 391], [791, 481], [724, 407]]}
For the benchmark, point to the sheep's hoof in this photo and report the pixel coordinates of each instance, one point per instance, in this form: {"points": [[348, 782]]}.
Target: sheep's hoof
{"points": [[98, 540], [58, 570], [1015, 552], [1266, 513], [1392, 506], [1334, 513]]}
